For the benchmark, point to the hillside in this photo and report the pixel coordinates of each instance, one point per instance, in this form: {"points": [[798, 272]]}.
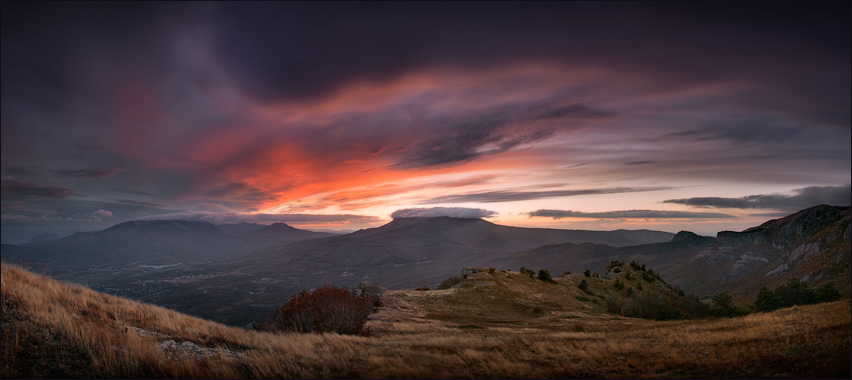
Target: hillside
{"points": [[813, 245], [53, 330]]}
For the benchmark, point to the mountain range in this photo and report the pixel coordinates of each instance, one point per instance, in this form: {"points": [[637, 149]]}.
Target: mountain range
{"points": [[236, 273]]}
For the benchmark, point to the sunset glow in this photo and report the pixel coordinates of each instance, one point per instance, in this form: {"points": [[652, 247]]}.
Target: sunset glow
{"points": [[643, 116]]}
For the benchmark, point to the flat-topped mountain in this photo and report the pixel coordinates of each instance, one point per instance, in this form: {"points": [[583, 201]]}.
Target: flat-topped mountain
{"points": [[431, 248]]}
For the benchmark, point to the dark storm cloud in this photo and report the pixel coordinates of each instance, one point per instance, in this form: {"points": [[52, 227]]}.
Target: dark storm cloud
{"points": [[88, 173], [14, 188], [22, 170], [137, 192], [629, 214], [463, 138], [137, 203], [804, 198], [303, 51], [511, 196]]}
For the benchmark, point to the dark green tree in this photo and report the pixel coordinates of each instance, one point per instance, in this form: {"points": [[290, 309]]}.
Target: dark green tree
{"points": [[723, 306], [828, 292], [795, 292], [583, 285], [544, 275], [767, 300]]}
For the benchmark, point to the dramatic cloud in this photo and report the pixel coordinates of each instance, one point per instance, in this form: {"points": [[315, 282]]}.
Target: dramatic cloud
{"points": [[13, 188], [496, 131], [629, 214], [359, 109], [512, 196], [89, 173], [349, 47], [804, 198], [452, 212]]}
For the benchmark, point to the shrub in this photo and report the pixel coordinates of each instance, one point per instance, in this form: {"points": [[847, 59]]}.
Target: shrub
{"points": [[723, 306], [634, 265], [325, 309], [629, 292], [639, 285], [544, 275], [618, 284], [587, 273], [491, 270], [596, 275], [528, 272], [450, 282], [422, 288], [647, 277], [583, 285], [566, 273], [628, 276], [767, 300], [828, 292], [795, 292]]}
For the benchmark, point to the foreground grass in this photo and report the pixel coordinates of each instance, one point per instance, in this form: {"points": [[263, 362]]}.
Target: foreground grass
{"points": [[56, 330]]}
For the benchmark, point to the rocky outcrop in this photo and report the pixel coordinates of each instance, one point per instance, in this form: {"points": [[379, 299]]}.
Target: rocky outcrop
{"points": [[812, 243]]}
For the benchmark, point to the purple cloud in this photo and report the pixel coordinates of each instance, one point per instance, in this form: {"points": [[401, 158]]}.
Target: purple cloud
{"points": [[89, 173], [13, 188]]}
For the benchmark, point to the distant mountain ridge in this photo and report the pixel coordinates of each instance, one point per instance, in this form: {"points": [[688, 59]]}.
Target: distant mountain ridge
{"points": [[161, 242], [242, 271], [431, 246]]}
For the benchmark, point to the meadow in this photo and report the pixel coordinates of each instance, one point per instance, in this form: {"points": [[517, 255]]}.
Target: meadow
{"points": [[53, 329]]}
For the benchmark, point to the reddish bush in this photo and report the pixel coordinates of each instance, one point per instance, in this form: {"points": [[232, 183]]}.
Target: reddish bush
{"points": [[325, 309]]}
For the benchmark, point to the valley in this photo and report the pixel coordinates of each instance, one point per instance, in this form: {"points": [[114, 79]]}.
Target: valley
{"points": [[216, 280], [491, 325]]}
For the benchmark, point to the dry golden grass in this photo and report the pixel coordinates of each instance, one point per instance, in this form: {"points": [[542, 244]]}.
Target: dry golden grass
{"points": [[56, 330]]}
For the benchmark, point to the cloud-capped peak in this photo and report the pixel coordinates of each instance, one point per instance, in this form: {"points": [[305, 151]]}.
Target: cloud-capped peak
{"points": [[452, 212]]}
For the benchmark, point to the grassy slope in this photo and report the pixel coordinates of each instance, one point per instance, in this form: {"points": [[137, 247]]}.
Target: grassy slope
{"points": [[494, 325]]}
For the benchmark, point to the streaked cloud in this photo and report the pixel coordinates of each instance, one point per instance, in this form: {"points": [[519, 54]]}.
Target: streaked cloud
{"points": [[803, 198], [512, 196], [629, 214], [88, 173], [13, 188]]}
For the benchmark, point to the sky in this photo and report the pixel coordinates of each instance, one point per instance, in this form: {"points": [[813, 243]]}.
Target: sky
{"points": [[338, 116]]}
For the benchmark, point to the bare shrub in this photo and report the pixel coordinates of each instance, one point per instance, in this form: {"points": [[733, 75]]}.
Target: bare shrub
{"points": [[325, 309]]}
